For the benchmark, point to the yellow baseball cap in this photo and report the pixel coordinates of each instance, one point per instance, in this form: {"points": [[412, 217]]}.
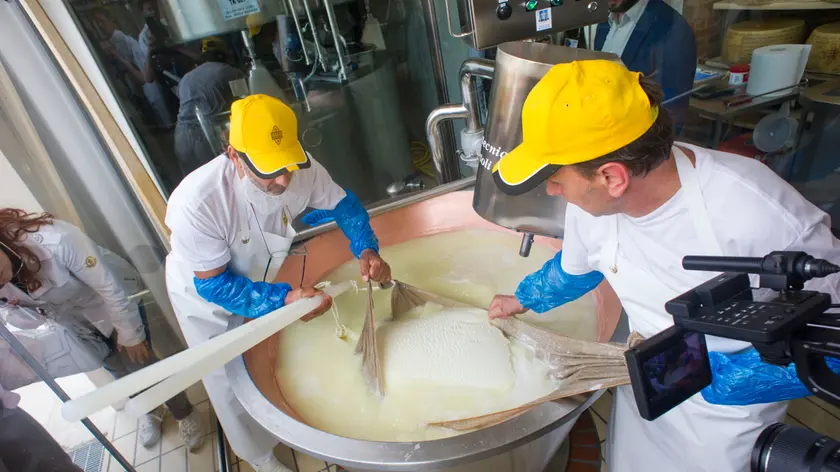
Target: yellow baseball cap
{"points": [[577, 112], [265, 130]]}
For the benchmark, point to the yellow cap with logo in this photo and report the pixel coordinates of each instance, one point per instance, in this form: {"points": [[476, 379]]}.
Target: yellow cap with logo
{"points": [[579, 111], [265, 130]]}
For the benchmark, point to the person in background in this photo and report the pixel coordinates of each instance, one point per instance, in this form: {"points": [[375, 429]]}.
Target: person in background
{"points": [[51, 268], [134, 57], [652, 38], [204, 91], [25, 446], [231, 222], [638, 204]]}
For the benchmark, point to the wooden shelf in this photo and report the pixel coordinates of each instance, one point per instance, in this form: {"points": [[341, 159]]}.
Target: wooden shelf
{"points": [[779, 6]]}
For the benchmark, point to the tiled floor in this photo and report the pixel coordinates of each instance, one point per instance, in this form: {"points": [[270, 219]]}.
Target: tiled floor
{"points": [[170, 455], [808, 412]]}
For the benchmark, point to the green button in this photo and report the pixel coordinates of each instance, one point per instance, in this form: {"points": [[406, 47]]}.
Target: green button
{"points": [[531, 5], [556, 3]]}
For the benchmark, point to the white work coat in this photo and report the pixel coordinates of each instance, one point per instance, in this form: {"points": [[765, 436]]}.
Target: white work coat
{"points": [[727, 205], [79, 280], [213, 225]]}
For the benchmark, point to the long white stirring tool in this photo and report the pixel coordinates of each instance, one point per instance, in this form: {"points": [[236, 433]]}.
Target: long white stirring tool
{"points": [[211, 354]]}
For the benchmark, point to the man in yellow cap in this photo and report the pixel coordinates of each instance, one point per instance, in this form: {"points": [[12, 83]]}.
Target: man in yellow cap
{"points": [[231, 222], [638, 203]]}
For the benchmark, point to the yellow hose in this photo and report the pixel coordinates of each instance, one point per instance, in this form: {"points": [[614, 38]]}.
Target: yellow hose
{"points": [[421, 158]]}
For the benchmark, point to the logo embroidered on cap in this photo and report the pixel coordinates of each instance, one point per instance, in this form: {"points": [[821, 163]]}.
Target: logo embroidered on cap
{"points": [[276, 135]]}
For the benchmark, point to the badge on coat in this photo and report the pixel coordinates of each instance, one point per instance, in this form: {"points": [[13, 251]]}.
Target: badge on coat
{"points": [[90, 262]]}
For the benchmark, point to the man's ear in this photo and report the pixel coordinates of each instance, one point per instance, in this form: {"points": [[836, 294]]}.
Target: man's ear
{"points": [[616, 178]]}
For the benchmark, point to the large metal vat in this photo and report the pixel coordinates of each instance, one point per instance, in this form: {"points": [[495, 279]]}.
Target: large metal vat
{"points": [[519, 66], [524, 443]]}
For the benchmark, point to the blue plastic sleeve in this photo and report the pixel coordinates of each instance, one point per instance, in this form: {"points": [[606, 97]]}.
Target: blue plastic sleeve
{"points": [[241, 296], [354, 222], [551, 286], [317, 217], [743, 379]]}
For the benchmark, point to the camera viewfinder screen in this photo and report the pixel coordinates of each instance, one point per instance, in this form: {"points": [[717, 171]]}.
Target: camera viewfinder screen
{"points": [[676, 368]]}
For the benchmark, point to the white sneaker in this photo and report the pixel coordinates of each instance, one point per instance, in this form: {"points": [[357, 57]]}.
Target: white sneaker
{"points": [[149, 430], [272, 465], [192, 431]]}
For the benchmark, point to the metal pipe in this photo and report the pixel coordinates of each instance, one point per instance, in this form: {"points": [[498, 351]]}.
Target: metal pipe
{"points": [[299, 32], [433, 39], [334, 30], [470, 69], [446, 170], [249, 45], [525, 247], [320, 54], [33, 364], [221, 448]]}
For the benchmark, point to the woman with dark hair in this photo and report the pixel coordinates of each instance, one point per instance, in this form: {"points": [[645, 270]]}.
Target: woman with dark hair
{"points": [[50, 270]]}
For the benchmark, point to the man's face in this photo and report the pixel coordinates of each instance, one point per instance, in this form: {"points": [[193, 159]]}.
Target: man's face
{"points": [[621, 6], [106, 24], [275, 186], [150, 9], [591, 195]]}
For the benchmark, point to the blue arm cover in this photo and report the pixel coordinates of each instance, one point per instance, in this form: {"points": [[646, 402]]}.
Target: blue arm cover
{"points": [[551, 286], [742, 379], [317, 217], [354, 222], [239, 295]]}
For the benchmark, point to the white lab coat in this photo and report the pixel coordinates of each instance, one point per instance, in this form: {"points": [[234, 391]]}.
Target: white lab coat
{"points": [[210, 206], [695, 436], [79, 281]]}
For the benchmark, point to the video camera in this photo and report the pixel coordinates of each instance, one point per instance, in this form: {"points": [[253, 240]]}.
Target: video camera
{"points": [[781, 320]]}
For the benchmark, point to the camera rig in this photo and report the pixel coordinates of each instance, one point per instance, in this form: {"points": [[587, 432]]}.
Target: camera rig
{"points": [[785, 324]]}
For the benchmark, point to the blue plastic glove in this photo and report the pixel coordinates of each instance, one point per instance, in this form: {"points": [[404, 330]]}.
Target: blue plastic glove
{"points": [[354, 222], [551, 286], [317, 217], [742, 379], [242, 296]]}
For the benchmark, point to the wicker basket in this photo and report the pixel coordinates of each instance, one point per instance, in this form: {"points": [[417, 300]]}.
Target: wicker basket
{"points": [[825, 49], [743, 38]]}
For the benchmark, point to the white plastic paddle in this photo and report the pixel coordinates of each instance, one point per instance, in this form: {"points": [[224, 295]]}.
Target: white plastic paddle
{"points": [[177, 372]]}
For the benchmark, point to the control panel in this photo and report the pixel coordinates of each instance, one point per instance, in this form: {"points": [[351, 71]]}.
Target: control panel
{"points": [[488, 23]]}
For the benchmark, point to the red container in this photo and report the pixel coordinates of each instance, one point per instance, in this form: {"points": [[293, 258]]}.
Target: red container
{"points": [[739, 75]]}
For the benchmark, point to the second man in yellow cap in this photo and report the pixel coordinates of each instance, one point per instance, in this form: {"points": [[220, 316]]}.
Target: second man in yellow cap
{"points": [[231, 222], [594, 133]]}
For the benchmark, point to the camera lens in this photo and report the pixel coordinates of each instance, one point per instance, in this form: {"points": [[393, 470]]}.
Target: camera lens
{"points": [[786, 448]]}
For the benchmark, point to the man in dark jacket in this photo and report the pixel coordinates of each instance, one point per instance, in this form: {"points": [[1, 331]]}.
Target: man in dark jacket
{"points": [[654, 39]]}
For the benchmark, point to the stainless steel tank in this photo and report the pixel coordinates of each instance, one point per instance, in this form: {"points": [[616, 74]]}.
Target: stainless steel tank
{"points": [[519, 66], [525, 443], [194, 19], [376, 106]]}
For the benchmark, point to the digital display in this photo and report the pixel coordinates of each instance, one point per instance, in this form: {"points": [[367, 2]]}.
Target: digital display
{"points": [[677, 367]]}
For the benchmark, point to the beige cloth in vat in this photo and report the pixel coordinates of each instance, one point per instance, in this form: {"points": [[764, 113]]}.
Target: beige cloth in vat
{"points": [[579, 366]]}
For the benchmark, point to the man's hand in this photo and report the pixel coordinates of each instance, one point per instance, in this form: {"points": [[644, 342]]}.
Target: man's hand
{"points": [[374, 267], [108, 49], [139, 354], [504, 306], [309, 292]]}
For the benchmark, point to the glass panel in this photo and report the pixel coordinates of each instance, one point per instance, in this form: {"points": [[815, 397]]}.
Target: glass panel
{"points": [[360, 92]]}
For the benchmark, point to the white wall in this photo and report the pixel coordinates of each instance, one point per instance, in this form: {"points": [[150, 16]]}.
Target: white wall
{"points": [[13, 192]]}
